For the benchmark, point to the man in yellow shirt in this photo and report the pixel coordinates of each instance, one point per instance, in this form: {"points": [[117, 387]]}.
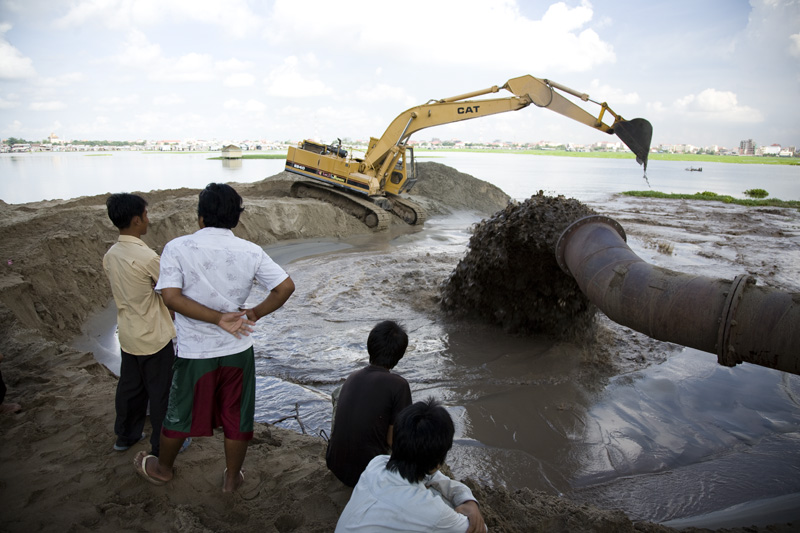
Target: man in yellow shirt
{"points": [[144, 324]]}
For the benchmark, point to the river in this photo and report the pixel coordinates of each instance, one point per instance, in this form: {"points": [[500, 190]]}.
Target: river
{"points": [[31, 177], [674, 442]]}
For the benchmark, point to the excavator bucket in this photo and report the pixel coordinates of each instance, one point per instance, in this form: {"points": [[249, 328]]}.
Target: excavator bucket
{"points": [[636, 134]]}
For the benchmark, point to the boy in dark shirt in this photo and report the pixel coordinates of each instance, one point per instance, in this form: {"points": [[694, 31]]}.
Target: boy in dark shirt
{"points": [[368, 403]]}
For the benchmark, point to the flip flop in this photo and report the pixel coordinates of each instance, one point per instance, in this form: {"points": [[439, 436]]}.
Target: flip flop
{"points": [[185, 444], [142, 470], [225, 474]]}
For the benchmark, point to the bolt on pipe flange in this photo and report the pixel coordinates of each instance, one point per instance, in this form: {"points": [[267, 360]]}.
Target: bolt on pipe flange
{"points": [[561, 245]]}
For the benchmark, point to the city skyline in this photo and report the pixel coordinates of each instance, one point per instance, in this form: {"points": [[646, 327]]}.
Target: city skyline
{"points": [[745, 146], [705, 74]]}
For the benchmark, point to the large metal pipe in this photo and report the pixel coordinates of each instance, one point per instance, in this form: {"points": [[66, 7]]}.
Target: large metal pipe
{"points": [[736, 320]]}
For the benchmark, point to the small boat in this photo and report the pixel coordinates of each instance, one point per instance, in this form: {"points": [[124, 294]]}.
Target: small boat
{"points": [[692, 169]]}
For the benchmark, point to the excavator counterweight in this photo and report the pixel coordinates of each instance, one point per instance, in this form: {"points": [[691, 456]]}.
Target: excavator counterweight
{"points": [[387, 168]]}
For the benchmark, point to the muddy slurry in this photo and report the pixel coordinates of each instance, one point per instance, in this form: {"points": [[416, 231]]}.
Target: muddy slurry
{"points": [[510, 277]]}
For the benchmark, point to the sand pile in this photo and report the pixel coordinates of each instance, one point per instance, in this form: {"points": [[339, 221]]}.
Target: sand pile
{"points": [[510, 277]]}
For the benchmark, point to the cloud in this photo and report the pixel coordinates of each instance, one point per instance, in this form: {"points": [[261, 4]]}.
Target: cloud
{"points": [[721, 106], [159, 125], [794, 45], [116, 103], [250, 106], [290, 80], [13, 64], [234, 73], [382, 92], [62, 80], [233, 17], [480, 34], [187, 68], [240, 79], [234, 65], [47, 106], [606, 93], [9, 103], [771, 32], [140, 54], [168, 100], [14, 127]]}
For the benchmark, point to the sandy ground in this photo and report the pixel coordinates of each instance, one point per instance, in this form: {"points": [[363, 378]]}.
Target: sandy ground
{"points": [[59, 471]]}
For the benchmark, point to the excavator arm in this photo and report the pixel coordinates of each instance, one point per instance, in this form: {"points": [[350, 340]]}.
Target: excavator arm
{"points": [[382, 152]]}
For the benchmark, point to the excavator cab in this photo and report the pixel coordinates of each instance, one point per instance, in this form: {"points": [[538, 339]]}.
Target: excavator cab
{"points": [[403, 175]]}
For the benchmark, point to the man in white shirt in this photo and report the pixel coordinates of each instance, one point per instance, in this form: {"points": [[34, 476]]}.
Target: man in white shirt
{"points": [[206, 278], [406, 491]]}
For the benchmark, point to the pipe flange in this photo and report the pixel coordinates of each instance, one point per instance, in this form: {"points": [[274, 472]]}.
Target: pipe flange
{"points": [[561, 245], [726, 354]]}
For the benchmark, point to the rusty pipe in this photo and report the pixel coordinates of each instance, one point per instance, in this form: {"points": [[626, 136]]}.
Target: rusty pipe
{"points": [[736, 320]]}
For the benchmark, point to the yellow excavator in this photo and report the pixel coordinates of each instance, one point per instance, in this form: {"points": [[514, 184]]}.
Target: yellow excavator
{"points": [[369, 187]]}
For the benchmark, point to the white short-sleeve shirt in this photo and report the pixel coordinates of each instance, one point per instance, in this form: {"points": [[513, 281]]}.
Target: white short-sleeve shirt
{"points": [[384, 502], [217, 269]]}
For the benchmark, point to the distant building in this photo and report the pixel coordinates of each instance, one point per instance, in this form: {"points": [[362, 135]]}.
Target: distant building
{"points": [[747, 147], [772, 150], [608, 146], [232, 151]]}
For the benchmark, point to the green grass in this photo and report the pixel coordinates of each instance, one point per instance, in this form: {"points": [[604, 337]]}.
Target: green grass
{"points": [[257, 156], [742, 159], [694, 158], [175, 152], [97, 155], [706, 195]]}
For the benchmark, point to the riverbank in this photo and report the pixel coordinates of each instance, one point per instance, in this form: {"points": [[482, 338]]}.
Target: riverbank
{"points": [[58, 468]]}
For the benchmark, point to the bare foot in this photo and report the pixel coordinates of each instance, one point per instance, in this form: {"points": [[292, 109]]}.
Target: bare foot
{"points": [[232, 483], [148, 467], [10, 408]]}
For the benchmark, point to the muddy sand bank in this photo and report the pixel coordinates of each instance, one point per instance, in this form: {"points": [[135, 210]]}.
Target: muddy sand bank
{"points": [[59, 471]]}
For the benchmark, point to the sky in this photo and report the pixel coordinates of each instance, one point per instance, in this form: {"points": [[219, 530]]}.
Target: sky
{"points": [[703, 72]]}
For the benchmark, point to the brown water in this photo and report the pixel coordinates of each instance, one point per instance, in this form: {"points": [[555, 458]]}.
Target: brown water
{"points": [[670, 435], [654, 429]]}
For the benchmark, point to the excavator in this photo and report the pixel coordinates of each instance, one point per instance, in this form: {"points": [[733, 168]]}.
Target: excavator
{"points": [[369, 187]]}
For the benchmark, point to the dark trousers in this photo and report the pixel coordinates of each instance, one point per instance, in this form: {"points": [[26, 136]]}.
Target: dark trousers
{"points": [[143, 378]]}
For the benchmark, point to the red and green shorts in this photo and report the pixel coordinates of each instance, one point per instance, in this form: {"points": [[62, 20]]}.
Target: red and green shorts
{"points": [[209, 393]]}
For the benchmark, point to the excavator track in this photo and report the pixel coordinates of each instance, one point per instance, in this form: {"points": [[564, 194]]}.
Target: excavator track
{"points": [[371, 215], [411, 212]]}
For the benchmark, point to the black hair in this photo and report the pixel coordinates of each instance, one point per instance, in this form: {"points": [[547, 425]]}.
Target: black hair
{"points": [[386, 344], [123, 206], [220, 206], [423, 434]]}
